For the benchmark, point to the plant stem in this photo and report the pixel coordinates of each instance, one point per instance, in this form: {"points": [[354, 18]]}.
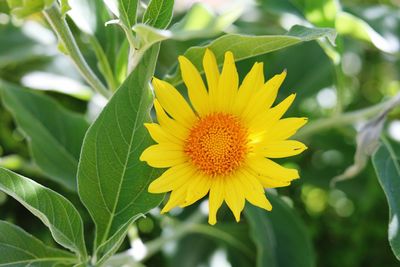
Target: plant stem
{"points": [[103, 63], [65, 36], [339, 120]]}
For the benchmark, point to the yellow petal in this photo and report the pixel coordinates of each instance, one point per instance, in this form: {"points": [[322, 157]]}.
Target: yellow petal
{"points": [[264, 98], [163, 155], [195, 85], [266, 167], [170, 126], [176, 198], [212, 75], [160, 136], [227, 85], [281, 149], [198, 188], [173, 102], [215, 200], [253, 190], [285, 128], [250, 85], [265, 119], [233, 196], [172, 178]]}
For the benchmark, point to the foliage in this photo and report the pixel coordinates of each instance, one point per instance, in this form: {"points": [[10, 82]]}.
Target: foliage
{"points": [[75, 90]]}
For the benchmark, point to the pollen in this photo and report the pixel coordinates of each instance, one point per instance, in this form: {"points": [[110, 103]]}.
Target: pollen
{"points": [[217, 144]]}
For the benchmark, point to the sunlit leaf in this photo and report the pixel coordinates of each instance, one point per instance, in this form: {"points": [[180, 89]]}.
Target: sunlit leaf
{"points": [[112, 181], [159, 13], [245, 46], [54, 210]]}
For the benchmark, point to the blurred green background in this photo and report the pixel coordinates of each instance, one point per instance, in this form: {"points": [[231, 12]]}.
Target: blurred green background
{"points": [[348, 223]]}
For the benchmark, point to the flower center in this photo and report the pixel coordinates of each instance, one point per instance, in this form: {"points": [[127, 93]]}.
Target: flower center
{"points": [[217, 144]]}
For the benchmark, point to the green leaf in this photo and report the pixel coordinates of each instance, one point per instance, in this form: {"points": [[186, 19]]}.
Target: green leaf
{"points": [[55, 137], [112, 181], [387, 169], [159, 13], [280, 236], [128, 10], [348, 24], [199, 22], [18, 248], [54, 210], [245, 46]]}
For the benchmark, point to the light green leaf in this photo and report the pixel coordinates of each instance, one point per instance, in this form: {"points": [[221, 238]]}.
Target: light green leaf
{"points": [[159, 13], [280, 236], [55, 137], [348, 24], [199, 22], [245, 46], [112, 181], [18, 248], [387, 169], [54, 210], [128, 10]]}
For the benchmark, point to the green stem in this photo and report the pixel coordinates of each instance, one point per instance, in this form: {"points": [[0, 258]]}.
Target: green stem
{"points": [[104, 64], [339, 120], [65, 36]]}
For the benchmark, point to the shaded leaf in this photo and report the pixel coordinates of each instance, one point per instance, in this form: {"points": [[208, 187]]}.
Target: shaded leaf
{"points": [[112, 181], [55, 137], [280, 236], [18, 248], [54, 210], [387, 169]]}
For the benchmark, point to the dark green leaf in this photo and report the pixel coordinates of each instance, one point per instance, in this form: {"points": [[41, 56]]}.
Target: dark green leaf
{"points": [[159, 13], [387, 169], [55, 211], [55, 134], [18, 248], [112, 181], [280, 236], [245, 46]]}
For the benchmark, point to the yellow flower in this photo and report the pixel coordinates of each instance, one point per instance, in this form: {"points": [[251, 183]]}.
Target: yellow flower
{"points": [[222, 143]]}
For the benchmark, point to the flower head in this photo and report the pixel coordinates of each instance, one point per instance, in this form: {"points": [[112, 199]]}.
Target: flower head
{"points": [[222, 143]]}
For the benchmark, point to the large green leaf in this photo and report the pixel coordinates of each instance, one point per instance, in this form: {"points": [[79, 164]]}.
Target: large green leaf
{"points": [[159, 13], [55, 134], [246, 46], [112, 181], [280, 236], [18, 248], [54, 210], [387, 169]]}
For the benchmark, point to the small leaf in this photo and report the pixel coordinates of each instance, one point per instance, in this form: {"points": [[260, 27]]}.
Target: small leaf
{"points": [[159, 13], [55, 137], [280, 236], [112, 181], [18, 248], [246, 46], [387, 169], [129, 10], [54, 210]]}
